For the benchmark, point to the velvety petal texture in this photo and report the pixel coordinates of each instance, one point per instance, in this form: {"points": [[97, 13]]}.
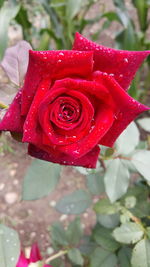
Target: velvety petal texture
{"points": [[120, 64], [35, 256], [73, 101]]}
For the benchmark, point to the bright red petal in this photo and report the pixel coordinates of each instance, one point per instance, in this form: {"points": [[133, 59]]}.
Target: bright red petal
{"points": [[22, 262], [121, 64], [12, 120], [89, 160], [53, 65], [127, 109], [35, 254]]}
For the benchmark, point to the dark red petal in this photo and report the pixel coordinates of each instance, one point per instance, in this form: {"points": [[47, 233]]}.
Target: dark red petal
{"points": [[128, 109], [89, 160], [13, 121], [120, 63], [31, 128], [35, 254], [103, 121], [53, 65]]}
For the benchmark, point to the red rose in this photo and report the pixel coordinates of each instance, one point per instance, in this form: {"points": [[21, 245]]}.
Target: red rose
{"points": [[72, 101]]}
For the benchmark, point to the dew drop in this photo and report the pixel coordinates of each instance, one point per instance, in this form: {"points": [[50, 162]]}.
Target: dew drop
{"points": [[12, 258], [121, 75], [59, 61], [61, 54], [112, 74], [126, 60]]}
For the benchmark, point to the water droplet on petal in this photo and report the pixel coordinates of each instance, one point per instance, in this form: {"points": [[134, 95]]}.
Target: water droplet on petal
{"points": [[126, 60]]}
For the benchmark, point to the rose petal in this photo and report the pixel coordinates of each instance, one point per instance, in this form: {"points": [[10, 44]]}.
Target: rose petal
{"points": [[120, 63], [55, 65], [128, 109], [31, 129], [35, 254], [89, 160], [103, 122], [22, 262], [13, 121]]}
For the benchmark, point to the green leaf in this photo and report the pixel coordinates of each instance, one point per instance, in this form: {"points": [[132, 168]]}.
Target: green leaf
{"points": [[117, 174], [119, 3], [95, 183], [145, 124], [128, 140], [104, 206], [58, 234], [74, 203], [128, 233], [74, 232], [7, 13], [142, 10], [103, 258], [87, 246], [108, 221], [9, 247], [75, 256], [127, 38], [73, 7], [41, 179], [124, 256], [57, 263], [1, 3], [103, 237], [141, 254], [22, 18], [141, 161]]}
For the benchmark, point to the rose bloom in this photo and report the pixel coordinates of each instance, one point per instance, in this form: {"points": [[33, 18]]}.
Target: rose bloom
{"points": [[35, 256], [73, 101]]}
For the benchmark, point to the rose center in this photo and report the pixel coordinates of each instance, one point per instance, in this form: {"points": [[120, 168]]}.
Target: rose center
{"points": [[66, 112]]}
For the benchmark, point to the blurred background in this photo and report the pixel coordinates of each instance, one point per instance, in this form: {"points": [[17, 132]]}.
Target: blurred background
{"points": [[51, 24]]}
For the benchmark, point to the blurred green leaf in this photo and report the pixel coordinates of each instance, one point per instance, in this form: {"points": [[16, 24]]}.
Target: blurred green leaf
{"points": [[141, 161], [142, 10], [57, 263], [75, 256], [127, 38], [73, 7], [95, 183], [118, 174], [144, 123], [128, 233], [9, 247], [58, 234], [41, 179], [74, 203], [7, 13], [87, 246], [128, 140], [104, 206], [103, 237], [124, 256], [74, 232], [108, 221], [119, 3], [22, 18], [141, 254], [102, 258], [1, 3]]}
